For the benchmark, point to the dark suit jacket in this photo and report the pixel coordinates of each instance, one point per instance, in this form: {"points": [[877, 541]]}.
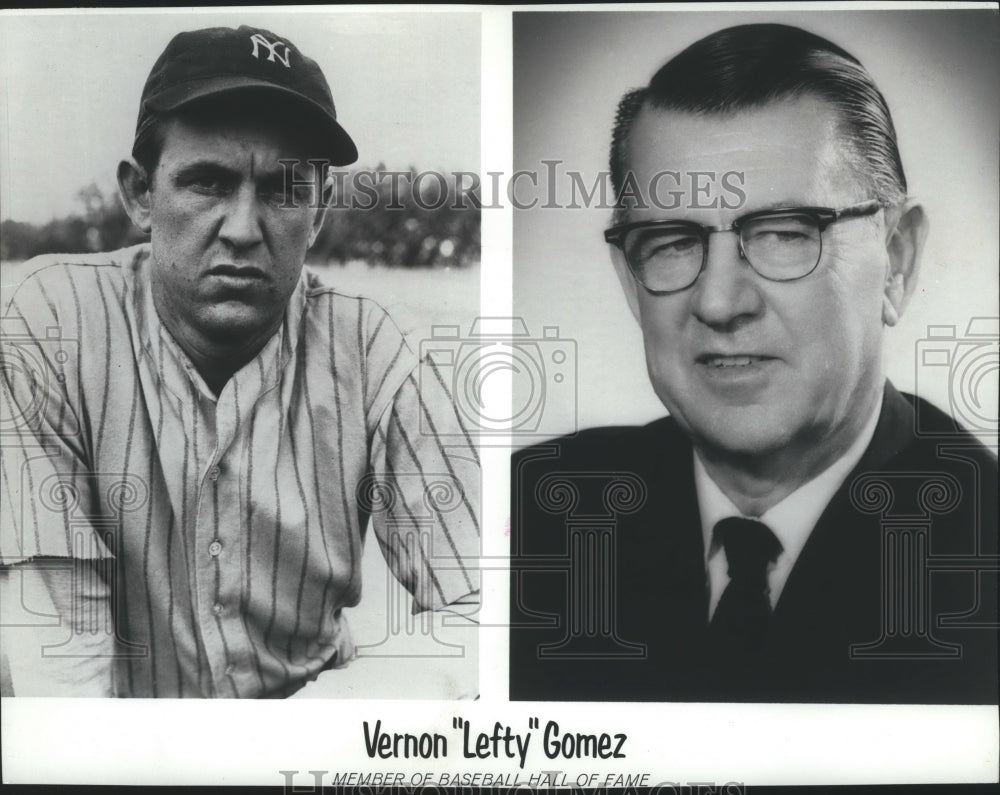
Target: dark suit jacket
{"points": [[892, 600]]}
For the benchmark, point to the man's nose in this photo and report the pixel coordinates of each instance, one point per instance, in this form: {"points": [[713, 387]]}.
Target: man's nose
{"points": [[726, 290], [241, 224]]}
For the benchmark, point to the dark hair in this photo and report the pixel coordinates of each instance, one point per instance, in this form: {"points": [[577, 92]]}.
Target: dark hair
{"points": [[750, 66]]}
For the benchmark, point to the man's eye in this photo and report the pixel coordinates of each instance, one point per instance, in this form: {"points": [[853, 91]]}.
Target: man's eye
{"points": [[276, 193], [780, 235], [782, 231], [271, 193], [208, 184], [670, 246], [681, 245]]}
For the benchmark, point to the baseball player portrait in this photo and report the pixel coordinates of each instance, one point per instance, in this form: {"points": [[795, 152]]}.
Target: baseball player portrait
{"points": [[200, 433], [799, 528]]}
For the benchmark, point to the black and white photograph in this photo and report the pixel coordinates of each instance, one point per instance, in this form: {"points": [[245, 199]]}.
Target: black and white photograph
{"points": [[769, 240], [524, 398], [226, 239]]}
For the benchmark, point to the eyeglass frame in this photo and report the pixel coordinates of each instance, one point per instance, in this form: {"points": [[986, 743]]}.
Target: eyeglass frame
{"points": [[823, 216]]}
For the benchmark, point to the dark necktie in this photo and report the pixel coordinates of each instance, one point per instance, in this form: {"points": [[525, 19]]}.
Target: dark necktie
{"points": [[743, 613]]}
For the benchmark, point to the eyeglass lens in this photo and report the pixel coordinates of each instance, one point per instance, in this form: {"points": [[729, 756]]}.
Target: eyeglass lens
{"points": [[781, 247]]}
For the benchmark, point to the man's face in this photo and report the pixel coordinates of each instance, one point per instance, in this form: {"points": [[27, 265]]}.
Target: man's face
{"points": [[227, 255], [750, 367]]}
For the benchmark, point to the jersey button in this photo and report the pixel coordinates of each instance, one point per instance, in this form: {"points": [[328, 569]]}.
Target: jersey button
{"points": [[230, 669], [213, 473], [215, 548], [217, 608]]}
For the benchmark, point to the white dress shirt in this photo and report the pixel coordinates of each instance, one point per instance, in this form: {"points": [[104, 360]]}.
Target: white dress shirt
{"points": [[791, 520]]}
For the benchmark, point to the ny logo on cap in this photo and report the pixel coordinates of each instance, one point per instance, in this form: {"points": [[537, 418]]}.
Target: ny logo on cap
{"points": [[272, 49]]}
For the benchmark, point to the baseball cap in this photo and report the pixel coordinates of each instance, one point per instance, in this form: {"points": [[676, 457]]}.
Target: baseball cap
{"points": [[203, 63]]}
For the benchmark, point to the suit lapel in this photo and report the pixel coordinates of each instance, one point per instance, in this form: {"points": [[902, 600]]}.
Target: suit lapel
{"points": [[665, 542], [832, 575]]}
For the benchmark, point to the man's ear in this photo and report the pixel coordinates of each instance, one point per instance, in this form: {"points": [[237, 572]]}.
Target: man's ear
{"points": [[906, 232], [323, 204], [629, 285], [317, 222], [135, 188]]}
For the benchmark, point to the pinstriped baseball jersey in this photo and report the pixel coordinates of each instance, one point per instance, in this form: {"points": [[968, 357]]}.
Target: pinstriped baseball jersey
{"points": [[230, 527]]}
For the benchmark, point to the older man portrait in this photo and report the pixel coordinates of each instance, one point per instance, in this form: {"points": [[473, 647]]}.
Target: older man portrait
{"points": [[773, 538]]}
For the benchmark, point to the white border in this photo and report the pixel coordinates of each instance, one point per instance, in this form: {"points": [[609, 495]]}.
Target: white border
{"points": [[224, 743]]}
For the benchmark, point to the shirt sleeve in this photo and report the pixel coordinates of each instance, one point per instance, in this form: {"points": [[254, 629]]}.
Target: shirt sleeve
{"points": [[45, 480], [56, 630], [58, 634], [424, 481]]}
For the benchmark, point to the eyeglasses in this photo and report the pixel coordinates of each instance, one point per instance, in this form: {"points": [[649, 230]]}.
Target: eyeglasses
{"points": [[781, 245]]}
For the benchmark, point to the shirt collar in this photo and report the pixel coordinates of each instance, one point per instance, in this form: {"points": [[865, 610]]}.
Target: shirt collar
{"points": [[792, 519], [154, 340]]}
